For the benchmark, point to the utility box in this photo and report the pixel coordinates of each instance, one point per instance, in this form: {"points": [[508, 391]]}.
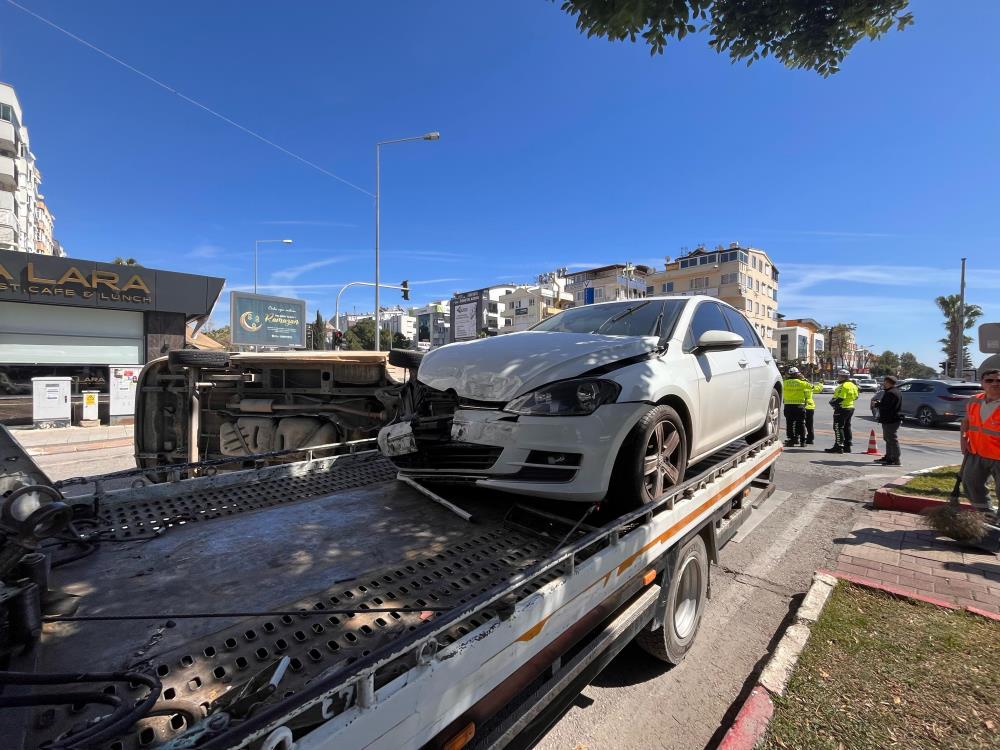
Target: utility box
{"points": [[90, 407], [51, 402]]}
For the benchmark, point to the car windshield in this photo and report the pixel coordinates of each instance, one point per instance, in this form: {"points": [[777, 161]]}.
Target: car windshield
{"points": [[638, 317]]}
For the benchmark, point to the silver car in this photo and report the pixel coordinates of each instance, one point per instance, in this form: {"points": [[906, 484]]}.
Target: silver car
{"points": [[931, 402]]}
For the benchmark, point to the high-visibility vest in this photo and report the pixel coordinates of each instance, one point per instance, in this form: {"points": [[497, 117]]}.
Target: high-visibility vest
{"points": [[810, 401], [794, 391], [983, 439], [847, 392]]}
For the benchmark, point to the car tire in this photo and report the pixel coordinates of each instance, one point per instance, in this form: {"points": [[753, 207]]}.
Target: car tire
{"points": [[926, 416], [772, 421], [686, 594], [197, 358], [641, 464], [405, 358]]}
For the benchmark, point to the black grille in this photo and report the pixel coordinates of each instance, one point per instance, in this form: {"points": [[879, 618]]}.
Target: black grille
{"points": [[542, 474], [451, 456]]}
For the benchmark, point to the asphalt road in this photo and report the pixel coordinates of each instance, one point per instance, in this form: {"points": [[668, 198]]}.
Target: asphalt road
{"points": [[637, 702], [764, 573]]}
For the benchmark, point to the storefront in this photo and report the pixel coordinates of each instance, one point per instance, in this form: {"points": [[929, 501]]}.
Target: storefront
{"points": [[79, 318]]}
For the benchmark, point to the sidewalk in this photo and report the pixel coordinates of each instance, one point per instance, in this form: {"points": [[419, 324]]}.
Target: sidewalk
{"points": [[896, 549], [72, 439]]}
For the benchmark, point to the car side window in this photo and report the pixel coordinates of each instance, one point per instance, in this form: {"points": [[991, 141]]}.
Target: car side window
{"points": [[921, 388], [904, 388], [708, 317], [738, 324]]}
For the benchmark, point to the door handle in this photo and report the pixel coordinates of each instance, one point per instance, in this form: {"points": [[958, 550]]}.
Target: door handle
{"points": [[742, 363]]}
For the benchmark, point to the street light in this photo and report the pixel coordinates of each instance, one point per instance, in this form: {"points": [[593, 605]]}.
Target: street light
{"points": [[432, 136], [256, 245]]}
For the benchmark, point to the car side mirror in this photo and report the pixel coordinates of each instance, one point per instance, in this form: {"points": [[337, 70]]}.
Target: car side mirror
{"points": [[718, 341]]}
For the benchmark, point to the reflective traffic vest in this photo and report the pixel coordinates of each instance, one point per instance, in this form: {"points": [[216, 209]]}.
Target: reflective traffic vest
{"points": [[847, 392], [810, 401], [982, 438], [796, 391]]}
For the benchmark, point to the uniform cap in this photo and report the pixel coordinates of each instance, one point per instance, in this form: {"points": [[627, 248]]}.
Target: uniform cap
{"points": [[793, 370]]}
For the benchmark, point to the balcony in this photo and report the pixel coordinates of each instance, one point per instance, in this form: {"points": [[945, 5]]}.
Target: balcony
{"points": [[8, 229], [7, 138], [8, 175]]}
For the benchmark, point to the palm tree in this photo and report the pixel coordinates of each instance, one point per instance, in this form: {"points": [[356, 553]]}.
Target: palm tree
{"points": [[949, 307]]}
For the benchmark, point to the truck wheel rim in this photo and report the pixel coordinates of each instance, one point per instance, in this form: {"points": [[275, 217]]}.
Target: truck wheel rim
{"points": [[687, 599], [661, 461]]}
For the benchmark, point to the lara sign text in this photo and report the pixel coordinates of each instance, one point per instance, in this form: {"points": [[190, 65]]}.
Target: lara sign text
{"points": [[70, 282]]}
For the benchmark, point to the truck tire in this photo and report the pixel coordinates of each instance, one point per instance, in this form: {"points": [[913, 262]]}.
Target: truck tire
{"points": [[688, 589], [197, 358], [405, 358], [654, 455], [771, 421]]}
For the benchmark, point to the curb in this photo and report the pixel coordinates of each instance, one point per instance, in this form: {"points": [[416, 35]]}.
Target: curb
{"points": [[891, 497], [95, 445], [755, 714]]}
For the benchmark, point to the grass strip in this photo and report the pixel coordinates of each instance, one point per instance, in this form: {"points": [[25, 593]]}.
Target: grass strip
{"points": [[884, 672]]}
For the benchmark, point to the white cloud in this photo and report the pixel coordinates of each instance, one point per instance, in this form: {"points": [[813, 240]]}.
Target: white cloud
{"points": [[206, 250], [287, 275]]}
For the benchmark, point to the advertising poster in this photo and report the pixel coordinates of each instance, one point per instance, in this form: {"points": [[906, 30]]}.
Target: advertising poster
{"points": [[121, 390], [260, 320], [464, 321]]}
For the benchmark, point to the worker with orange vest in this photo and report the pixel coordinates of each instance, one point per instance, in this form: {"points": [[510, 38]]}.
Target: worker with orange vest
{"points": [[981, 441]]}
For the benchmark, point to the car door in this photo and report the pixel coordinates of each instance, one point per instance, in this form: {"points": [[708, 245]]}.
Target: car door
{"points": [[758, 360], [723, 383], [905, 399]]}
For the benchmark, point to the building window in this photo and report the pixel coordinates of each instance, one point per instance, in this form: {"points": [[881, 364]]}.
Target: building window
{"points": [[783, 347], [749, 305], [6, 113], [803, 351], [699, 282], [650, 290], [668, 287], [531, 302], [598, 293]]}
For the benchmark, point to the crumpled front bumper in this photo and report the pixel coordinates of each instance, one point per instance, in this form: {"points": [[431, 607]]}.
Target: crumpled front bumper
{"points": [[571, 458]]}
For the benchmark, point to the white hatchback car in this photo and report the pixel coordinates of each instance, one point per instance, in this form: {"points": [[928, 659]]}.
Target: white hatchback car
{"points": [[606, 400]]}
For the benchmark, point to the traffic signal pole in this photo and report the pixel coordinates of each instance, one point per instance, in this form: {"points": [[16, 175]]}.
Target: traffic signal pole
{"points": [[404, 288]]}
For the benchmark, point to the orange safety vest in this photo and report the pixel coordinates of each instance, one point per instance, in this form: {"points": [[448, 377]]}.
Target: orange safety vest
{"points": [[983, 439]]}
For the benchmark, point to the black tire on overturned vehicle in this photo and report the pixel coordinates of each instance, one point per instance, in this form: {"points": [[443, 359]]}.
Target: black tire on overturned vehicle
{"points": [[197, 358], [686, 593], [405, 358]]}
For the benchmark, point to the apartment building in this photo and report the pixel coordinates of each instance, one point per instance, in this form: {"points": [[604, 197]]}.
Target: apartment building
{"points": [[608, 283], [433, 324], [398, 320], [528, 304], [744, 277], [800, 340], [25, 221]]}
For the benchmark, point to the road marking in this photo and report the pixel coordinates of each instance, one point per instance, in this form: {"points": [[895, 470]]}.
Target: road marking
{"points": [[758, 515]]}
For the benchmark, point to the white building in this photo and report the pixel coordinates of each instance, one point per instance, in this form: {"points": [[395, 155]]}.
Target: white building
{"points": [[608, 283], [528, 304], [433, 324], [25, 221], [400, 321]]}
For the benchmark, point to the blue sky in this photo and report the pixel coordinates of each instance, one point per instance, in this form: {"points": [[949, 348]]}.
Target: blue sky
{"points": [[557, 150]]}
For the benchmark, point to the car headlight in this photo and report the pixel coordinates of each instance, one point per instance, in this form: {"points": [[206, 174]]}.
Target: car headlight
{"points": [[566, 399]]}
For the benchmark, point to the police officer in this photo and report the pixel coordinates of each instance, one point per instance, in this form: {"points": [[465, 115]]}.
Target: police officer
{"points": [[811, 412], [981, 441], [843, 400], [795, 391]]}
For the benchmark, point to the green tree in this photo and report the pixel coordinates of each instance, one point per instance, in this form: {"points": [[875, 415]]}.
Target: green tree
{"points": [[399, 341], [120, 261], [361, 336], [319, 332], [949, 305], [807, 34], [887, 363], [909, 367], [839, 341], [222, 335]]}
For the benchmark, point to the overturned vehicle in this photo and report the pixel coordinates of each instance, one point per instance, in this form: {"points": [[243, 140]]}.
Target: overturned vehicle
{"points": [[202, 405]]}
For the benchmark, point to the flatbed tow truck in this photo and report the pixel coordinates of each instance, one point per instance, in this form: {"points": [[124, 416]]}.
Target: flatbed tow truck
{"points": [[327, 604]]}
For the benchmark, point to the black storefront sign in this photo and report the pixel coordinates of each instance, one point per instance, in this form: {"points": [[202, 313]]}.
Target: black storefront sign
{"points": [[42, 279], [260, 320]]}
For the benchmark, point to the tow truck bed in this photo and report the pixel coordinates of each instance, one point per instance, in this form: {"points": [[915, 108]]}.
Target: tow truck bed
{"points": [[484, 624]]}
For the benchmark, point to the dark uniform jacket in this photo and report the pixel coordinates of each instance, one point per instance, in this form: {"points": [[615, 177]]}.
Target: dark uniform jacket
{"points": [[888, 407]]}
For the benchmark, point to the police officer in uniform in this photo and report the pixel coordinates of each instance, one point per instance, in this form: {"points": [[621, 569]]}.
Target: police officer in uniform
{"points": [[811, 412], [796, 392], [843, 401]]}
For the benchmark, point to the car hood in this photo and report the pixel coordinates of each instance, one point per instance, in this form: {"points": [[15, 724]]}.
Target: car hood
{"points": [[502, 367]]}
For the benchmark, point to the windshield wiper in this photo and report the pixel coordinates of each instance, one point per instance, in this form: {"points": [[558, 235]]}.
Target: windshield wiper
{"points": [[619, 316]]}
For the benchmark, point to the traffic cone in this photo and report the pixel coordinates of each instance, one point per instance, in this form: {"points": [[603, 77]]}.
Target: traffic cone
{"points": [[872, 446]]}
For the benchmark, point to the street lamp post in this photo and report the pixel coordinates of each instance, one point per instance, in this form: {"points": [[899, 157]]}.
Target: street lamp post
{"points": [[432, 136], [256, 247]]}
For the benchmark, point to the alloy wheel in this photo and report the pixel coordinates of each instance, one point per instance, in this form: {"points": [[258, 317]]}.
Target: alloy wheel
{"points": [[661, 466], [772, 414], [925, 416]]}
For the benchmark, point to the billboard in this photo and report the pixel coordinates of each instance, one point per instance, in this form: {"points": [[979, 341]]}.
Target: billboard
{"points": [[989, 338], [466, 315], [259, 320]]}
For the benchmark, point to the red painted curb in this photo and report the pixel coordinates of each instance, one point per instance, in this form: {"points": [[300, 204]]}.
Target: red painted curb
{"points": [[908, 594], [750, 723], [886, 499]]}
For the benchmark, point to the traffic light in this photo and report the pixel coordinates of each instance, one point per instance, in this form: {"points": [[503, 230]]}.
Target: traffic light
{"points": [[406, 290], [338, 339]]}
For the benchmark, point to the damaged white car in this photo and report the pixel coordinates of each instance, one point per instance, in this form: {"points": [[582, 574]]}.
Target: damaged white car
{"points": [[611, 400]]}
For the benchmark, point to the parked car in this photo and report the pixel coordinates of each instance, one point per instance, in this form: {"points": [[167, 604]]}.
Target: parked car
{"points": [[829, 386], [866, 383], [618, 396], [931, 402]]}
